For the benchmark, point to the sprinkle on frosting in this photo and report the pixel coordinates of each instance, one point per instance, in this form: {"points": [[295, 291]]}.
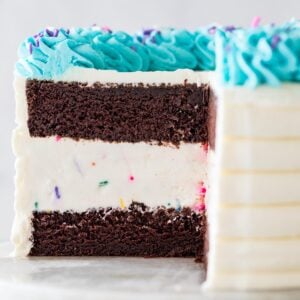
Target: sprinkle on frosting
{"points": [[178, 205], [77, 166], [58, 138], [36, 205], [122, 203], [256, 21], [131, 178], [103, 183], [57, 192]]}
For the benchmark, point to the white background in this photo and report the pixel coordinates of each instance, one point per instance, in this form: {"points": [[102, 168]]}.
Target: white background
{"points": [[20, 18]]}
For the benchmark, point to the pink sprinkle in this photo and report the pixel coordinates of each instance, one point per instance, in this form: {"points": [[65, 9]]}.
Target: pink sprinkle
{"points": [[199, 207], [58, 138], [255, 22], [203, 190], [131, 178], [106, 28]]}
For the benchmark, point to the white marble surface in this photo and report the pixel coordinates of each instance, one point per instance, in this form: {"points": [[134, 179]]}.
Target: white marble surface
{"points": [[110, 278]]}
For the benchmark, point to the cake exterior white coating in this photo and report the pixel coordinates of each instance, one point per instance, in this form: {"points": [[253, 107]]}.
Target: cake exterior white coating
{"points": [[61, 174], [254, 204]]}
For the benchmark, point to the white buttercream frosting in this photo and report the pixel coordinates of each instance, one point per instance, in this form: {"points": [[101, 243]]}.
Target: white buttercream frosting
{"points": [[254, 204]]}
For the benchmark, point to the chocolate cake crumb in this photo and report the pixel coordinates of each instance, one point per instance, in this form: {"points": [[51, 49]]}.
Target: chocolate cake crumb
{"points": [[135, 231], [119, 113]]}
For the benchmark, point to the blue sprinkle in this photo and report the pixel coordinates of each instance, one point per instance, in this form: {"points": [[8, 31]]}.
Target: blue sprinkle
{"points": [[178, 206]]}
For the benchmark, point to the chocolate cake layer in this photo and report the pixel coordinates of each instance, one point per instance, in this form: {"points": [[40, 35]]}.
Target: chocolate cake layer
{"points": [[136, 231], [118, 113]]}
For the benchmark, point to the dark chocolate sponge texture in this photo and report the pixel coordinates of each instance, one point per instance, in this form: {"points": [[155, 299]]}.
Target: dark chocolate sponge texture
{"points": [[118, 113], [135, 231]]}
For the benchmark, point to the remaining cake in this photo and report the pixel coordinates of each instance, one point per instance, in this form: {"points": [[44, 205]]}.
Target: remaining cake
{"points": [[254, 207], [120, 136]]}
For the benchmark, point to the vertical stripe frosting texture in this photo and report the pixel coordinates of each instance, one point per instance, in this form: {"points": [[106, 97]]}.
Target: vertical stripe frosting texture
{"points": [[52, 51], [263, 55]]}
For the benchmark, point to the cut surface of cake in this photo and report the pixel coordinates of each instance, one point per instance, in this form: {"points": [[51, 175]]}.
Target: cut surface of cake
{"points": [[119, 138], [111, 158]]}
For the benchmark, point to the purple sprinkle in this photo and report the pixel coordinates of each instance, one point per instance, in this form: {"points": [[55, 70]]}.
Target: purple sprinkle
{"points": [[49, 32], [78, 167], [147, 31], [212, 30], [230, 28], [30, 48], [57, 193], [55, 33], [275, 40]]}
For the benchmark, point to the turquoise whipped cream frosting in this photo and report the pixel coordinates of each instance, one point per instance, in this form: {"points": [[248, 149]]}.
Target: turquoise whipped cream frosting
{"points": [[51, 52], [263, 55]]}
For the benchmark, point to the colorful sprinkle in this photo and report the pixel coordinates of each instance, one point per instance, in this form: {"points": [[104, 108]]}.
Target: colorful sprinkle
{"points": [[30, 48], [275, 41], [58, 138], [199, 207], [178, 205], [103, 183], [78, 168], [36, 205], [131, 178], [201, 189], [93, 164], [57, 192], [212, 30], [255, 22], [230, 28], [122, 203], [106, 28]]}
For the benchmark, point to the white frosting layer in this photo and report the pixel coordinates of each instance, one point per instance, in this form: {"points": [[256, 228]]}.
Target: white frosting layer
{"points": [[265, 112], [247, 155], [254, 204], [257, 255], [156, 77], [152, 174], [258, 222], [242, 189]]}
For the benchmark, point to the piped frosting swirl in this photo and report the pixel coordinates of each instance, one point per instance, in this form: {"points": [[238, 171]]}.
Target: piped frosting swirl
{"points": [[52, 51], [262, 55]]}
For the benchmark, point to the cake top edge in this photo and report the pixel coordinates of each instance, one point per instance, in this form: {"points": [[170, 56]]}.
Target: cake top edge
{"points": [[261, 54], [53, 51]]}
